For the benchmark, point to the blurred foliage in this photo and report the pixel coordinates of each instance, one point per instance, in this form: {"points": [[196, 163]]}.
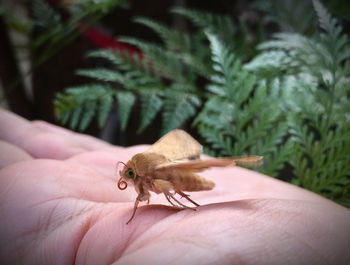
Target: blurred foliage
{"points": [[56, 25], [286, 98]]}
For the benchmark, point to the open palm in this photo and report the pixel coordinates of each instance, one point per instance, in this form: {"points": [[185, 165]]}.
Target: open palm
{"points": [[59, 204]]}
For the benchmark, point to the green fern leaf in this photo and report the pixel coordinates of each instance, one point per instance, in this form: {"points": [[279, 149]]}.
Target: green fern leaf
{"points": [[65, 117], [79, 104], [220, 24], [109, 55], [220, 144], [125, 103], [163, 61], [173, 40], [177, 109], [76, 115], [151, 104], [45, 16], [89, 113], [105, 105], [328, 23], [102, 74]]}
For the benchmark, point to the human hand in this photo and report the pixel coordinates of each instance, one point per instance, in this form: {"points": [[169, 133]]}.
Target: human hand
{"points": [[59, 204]]}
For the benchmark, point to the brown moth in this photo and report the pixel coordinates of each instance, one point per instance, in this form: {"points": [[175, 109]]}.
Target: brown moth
{"points": [[169, 167]]}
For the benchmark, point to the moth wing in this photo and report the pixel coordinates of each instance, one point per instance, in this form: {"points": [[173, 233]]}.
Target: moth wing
{"points": [[177, 145], [200, 165], [248, 160], [195, 165]]}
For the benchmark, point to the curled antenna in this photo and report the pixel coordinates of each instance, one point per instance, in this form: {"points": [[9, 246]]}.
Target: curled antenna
{"points": [[119, 163], [122, 184]]}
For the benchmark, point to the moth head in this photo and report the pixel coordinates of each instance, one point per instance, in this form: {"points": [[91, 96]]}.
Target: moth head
{"points": [[127, 174]]}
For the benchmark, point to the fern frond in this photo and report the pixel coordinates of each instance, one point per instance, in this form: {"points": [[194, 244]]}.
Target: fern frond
{"points": [[45, 16], [270, 64], [173, 40], [279, 156], [284, 13], [323, 56], [322, 164], [102, 74], [104, 106], [106, 54], [328, 23], [178, 108], [183, 45], [218, 143], [48, 18], [125, 103], [240, 117], [133, 64], [89, 113], [237, 35], [80, 103], [256, 120], [162, 60], [229, 79], [151, 103], [197, 63], [222, 25], [223, 59], [336, 43]]}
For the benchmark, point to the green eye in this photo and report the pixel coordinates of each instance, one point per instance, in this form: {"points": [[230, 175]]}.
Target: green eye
{"points": [[130, 173]]}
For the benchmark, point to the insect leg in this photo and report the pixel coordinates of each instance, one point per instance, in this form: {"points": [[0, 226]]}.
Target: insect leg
{"points": [[187, 197], [183, 205], [173, 204], [141, 197], [135, 208], [164, 186]]}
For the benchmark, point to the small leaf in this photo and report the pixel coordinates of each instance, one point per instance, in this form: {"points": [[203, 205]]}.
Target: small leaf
{"points": [[75, 117], [125, 103], [89, 112], [102, 74], [105, 105], [109, 55], [177, 109], [150, 106]]}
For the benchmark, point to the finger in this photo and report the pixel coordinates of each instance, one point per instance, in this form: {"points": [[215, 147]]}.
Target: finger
{"points": [[10, 154], [42, 140], [43, 179], [105, 161], [13, 127], [85, 141]]}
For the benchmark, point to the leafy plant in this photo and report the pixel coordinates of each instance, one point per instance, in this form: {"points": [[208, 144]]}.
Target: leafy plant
{"points": [[57, 30], [283, 12], [178, 100], [317, 103], [241, 117], [164, 80], [49, 26], [289, 103]]}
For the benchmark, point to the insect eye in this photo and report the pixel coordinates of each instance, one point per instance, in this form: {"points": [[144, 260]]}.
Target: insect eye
{"points": [[130, 173]]}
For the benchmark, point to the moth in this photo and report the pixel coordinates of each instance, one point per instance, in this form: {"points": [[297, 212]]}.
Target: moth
{"points": [[169, 166]]}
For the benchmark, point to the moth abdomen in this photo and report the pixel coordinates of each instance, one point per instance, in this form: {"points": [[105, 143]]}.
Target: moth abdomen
{"points": [[192, 182]]}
